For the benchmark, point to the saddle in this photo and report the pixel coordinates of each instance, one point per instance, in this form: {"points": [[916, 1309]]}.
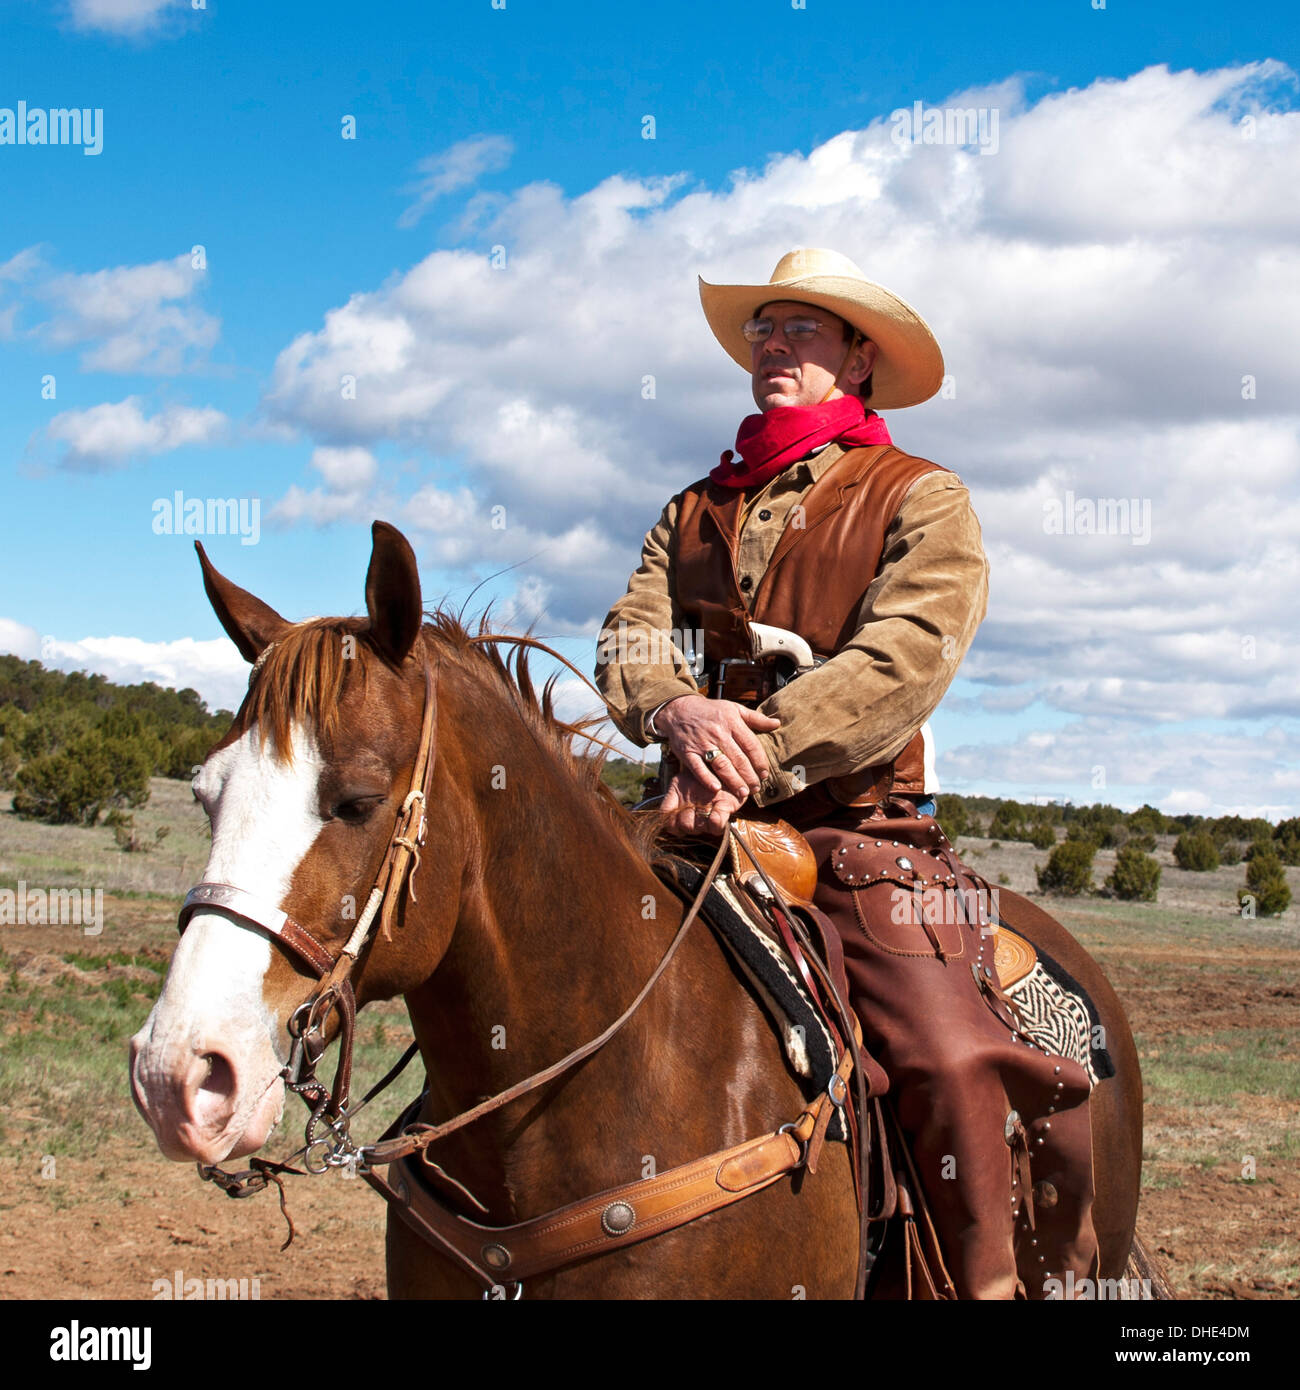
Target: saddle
{"points": [[779, 850]]}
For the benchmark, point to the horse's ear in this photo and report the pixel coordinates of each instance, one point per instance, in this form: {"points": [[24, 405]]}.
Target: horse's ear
{"points": [[250, 624], [393, 593]]}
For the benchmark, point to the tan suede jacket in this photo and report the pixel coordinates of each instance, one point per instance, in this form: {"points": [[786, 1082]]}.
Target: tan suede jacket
{"points": [[861, 707]]}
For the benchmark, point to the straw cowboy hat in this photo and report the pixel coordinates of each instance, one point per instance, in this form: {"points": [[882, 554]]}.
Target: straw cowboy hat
{"points": [[909, 365]]}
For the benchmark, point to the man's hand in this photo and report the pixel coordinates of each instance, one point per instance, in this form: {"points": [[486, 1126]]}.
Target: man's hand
{"points": [[692, 809], [693, 725]]}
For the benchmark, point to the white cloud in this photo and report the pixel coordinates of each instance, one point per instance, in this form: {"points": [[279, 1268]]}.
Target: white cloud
{"points": [[110, 435], [132, 18], [137, 318], [18, 269], [459, 166], [1185, 153], [349, 474], [345, 469], [18, 639], [1115, 290], [21, 265]]}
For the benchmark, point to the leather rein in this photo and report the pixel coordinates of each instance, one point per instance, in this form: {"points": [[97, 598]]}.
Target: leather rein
{"points": [[488, 1254]]}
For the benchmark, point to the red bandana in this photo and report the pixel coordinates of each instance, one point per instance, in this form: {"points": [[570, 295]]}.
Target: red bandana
{"points": [[769, 443]]}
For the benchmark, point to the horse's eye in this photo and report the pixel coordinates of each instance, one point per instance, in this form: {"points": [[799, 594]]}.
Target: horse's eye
{"points": [[356, 810]]}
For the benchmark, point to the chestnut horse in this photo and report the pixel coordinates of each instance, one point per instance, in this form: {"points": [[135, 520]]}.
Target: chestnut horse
{"points": [[536, 917]]}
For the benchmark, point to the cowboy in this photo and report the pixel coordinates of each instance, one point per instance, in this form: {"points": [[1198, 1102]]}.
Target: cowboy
{"points": [[817, 526]]}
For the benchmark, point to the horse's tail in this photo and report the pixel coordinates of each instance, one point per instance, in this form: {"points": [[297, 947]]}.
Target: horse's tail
{"points": [[1149, 1277]]}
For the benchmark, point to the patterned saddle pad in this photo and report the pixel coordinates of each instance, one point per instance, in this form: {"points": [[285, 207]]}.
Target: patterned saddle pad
{"points": [[1058, 1013]]}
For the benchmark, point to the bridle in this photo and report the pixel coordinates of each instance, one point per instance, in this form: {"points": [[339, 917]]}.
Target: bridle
{"points": [[714, 1181], [307, 1025]]}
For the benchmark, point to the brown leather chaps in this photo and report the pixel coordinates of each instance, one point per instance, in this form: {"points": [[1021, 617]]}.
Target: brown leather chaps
{"points": [[999, 1128]]}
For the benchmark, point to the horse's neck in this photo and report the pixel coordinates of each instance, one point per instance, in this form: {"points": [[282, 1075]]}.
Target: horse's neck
{"points": [[551, 934], [560, 927]]}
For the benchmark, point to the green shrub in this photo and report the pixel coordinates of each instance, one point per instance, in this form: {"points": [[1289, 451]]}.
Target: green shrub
{"points": [[184, 750], [10, 761], [1103, 825], [52, 729], [1196, 850], [131, 761], [1068, 869], [1136, 876], [1008, 822], [1146, 820], [954, 819], [1266, 892], [75, 784], [1237, 828], [1286, 840], [66, 788], [1042, 836], [1145, 844]]}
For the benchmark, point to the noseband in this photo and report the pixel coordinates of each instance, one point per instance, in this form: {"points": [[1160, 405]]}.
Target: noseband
{"points": [[307, 1024]]}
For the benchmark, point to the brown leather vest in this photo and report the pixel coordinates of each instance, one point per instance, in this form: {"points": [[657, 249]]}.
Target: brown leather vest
{"points": [[814, 585]]}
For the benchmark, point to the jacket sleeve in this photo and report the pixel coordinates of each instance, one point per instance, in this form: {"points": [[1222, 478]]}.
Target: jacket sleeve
{"points": [[640, 661], [915, 623]]}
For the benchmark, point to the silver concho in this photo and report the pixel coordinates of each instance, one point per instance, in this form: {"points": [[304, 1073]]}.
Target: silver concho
{"points": [[617, 1218]]}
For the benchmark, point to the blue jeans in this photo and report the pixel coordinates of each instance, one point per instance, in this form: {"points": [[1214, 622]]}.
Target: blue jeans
{"points": [[926, 807]]}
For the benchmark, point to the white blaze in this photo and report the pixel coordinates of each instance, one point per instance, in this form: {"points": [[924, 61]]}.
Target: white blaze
{"points": [[265, 818]]}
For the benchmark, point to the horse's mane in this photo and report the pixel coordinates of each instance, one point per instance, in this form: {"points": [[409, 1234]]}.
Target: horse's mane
{"points": [[301, 679]]}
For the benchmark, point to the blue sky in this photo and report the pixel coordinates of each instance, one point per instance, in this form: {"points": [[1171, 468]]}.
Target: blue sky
{"points": [[1102, 284]]}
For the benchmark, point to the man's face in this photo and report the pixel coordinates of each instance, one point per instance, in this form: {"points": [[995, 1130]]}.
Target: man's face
{"points": [[786, 373]]}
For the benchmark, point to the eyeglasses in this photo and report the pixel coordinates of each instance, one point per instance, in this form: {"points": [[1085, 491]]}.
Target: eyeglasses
{"points": [[795, 330]]}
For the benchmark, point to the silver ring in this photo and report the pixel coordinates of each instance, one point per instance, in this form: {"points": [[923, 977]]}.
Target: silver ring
{"points": [[710, 754]]}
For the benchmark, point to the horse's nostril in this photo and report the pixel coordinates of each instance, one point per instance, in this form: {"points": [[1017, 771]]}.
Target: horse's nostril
{"points": [[219, 1077]]}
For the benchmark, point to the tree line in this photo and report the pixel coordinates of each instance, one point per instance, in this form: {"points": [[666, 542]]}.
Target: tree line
{"points": [[75, 747]]}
